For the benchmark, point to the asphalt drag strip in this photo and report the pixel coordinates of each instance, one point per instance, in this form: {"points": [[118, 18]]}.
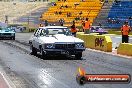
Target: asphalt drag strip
{"points": [[34, 72]]}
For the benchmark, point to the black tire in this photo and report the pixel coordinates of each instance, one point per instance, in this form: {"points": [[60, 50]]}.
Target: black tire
{"points": [[43, 55], [78, 56], [34, 51], [13, 38]]}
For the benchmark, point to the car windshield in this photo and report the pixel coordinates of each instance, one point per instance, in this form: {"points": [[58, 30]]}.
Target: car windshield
{"points": [[54, 31], [7, 29]]}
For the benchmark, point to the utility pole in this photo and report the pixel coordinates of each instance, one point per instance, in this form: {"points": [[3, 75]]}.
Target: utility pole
{"points": [[130, 19], [6, 19]]}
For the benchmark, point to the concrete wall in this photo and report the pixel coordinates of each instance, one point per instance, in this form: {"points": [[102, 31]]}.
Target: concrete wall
{"points": [[98, 42], [125, 49]]}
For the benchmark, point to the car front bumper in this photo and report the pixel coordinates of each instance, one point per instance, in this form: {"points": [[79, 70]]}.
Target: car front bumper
{"points": [[5, 35], [63, 51]]}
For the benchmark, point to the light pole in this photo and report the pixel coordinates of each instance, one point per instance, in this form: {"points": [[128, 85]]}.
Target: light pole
{"points": [[130, 19], [6, 19]]}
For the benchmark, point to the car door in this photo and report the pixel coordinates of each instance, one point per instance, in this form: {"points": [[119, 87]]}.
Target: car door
{"points": [[37, 38], [35, 41]]}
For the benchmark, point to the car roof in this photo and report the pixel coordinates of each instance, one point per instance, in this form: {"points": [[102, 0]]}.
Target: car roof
{"points": [[53, 27]]}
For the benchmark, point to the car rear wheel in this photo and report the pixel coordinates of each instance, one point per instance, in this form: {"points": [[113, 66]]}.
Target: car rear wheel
{"points": [[34, 51], [78, 56]]}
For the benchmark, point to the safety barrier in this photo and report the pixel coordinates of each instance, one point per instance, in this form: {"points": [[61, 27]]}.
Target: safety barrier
{"points": [[125, 49], [95, 41]]}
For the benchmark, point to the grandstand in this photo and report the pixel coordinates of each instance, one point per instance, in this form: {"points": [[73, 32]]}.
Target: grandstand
{"points": [[77, 8], [119, 13], [96, 11]]}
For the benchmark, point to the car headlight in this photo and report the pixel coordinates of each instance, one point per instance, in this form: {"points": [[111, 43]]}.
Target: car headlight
{"points": [[49, 46], [79, 45]]}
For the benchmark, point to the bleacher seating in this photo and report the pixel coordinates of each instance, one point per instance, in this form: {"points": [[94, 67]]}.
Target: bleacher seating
{"points": [[89, 8], [119, 13]]}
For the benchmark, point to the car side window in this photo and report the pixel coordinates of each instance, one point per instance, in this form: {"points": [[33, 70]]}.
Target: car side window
{"points": [[42, 33], [37, 33]]}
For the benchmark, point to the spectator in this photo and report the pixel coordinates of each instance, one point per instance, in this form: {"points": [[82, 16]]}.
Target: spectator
{"points": [[46, 23], [117, 2], [73, 22], [82, 0], [113, 21], [80, 13], [60, 12], [118, 21], [61, 7], [41, 16], [68, 14], [101, 1], [100, 25], [75, 4], [40, 25], [73, 30], [87, 26], [109, 20], [54, 4], [66, 6], [56, 13], [125, 29], [61, 21], [106, 1], [83, 24]]}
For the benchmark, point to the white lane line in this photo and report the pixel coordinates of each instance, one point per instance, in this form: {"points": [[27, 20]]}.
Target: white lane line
{"points": [[5, 80]]}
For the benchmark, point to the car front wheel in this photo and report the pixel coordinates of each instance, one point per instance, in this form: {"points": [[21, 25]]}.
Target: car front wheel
{"points": [[13, 38], [43, 55], [78, 56], [34, 51]]}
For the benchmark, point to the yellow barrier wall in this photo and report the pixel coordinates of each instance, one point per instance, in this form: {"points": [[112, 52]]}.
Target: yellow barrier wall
{"points": [[98, 42], [125, 49]]}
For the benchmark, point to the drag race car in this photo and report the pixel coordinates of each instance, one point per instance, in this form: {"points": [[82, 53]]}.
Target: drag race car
{"points": [[56, 40], [97, 29], [7, 33]]}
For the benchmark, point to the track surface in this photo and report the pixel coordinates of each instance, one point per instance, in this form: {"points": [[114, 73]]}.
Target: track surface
{"points": [[28, 71]]}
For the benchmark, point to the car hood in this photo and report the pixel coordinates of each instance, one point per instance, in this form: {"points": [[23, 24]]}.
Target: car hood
{"points": [[59, 38], [6, 31]]}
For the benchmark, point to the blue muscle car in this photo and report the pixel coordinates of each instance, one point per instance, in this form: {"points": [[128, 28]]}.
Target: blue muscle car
{"points": [[6, 33]]}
